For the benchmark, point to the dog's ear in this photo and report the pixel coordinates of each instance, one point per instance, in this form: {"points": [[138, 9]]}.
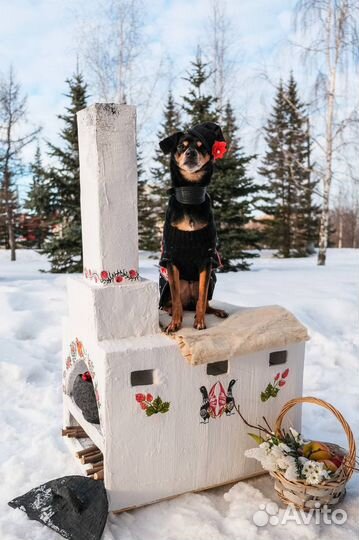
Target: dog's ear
{"points": [[215, 129], [219, 134], [169, 143]]}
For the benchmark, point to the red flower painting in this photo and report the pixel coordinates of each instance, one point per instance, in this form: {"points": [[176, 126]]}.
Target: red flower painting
{"points": [[273, 388], [152, 405]]}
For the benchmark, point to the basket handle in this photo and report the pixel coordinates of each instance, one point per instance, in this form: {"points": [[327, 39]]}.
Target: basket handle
{"points": [[350, 458]]}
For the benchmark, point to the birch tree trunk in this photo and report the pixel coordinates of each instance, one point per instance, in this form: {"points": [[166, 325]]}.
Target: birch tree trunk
{"points": [[9, 214], [332, 66], [334, 39]]}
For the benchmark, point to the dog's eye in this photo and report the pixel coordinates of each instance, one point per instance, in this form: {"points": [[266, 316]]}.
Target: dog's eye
{"points": [[180, 148]]}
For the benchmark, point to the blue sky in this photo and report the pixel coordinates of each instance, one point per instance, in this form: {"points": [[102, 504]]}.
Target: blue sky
{"points": [[39, 37]]}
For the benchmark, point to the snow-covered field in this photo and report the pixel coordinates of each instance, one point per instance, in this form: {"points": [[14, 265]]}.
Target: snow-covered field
{"points": [[32, 451]]}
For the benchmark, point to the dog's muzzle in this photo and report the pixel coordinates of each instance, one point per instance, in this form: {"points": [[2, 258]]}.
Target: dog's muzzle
{"points": [[190, 194]]}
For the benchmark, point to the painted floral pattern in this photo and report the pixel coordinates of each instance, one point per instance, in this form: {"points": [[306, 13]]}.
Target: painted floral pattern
{"points": [[152, 405], [105, 277], [78, 352], [273, 388]]}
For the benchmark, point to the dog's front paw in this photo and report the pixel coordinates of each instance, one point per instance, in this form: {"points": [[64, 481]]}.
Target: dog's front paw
{"points": [[176, 321], [177, 317], [173, 326], [199, 323]]}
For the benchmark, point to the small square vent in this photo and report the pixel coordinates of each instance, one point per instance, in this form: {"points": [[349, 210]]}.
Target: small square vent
{"points": [[142, 378], [277, 357], [217, 368]]}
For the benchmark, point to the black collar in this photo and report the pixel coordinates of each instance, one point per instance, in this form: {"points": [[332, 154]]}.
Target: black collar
{"points": [[190, 194]]}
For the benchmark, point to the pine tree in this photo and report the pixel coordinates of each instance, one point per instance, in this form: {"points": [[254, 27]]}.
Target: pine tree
{"points": [[38, 202], [233, 194], [278, 191], [161, 172], [309, 210], [64, 249], [148, 237], [298, 149], [231, 190], [197, 104], [291, 223]]}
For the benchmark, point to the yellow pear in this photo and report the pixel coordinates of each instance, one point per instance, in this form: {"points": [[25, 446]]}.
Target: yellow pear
{"points": [[319, 451], [330, 465], [307, 448]]}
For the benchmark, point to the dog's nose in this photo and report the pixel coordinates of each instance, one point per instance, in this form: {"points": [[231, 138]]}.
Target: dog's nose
{"points": [[191, 152]]}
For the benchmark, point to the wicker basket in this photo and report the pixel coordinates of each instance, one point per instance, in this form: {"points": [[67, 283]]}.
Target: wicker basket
{"points": [[302, 495]]}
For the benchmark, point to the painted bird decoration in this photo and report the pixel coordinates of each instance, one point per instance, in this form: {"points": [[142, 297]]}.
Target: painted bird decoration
{"points": [[205, 410], [229, 406], [217, 401]]}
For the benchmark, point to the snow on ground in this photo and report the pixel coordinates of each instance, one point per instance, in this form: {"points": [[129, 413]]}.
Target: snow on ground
{"points": [[32, 451]]}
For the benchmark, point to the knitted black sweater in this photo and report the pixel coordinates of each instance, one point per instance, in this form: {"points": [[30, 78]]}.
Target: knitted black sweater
{"points": [[190, 251]]}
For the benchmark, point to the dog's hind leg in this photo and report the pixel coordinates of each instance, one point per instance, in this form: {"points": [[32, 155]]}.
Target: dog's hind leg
{"points": [[176, 305], [217, 312]]}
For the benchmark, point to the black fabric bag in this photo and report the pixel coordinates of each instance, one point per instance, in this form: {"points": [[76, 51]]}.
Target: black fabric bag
{"points": [[83, 395]]}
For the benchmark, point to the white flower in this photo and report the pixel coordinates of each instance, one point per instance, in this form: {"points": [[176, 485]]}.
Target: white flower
{"points": [[291, 473], [314, 472], [313, 479], [284, 447], [266, 454], [277, 452], [269, 463], [256, 453], [297, 437], [285, 462], [266, 446], [309, 467]]}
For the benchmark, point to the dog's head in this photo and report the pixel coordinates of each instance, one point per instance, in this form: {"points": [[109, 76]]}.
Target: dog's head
{"points": [[191, 151]]}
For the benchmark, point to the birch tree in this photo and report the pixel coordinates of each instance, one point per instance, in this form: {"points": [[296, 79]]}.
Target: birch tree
{"points": [[12, 142], [332, 28], [110, 45], [219, 51]]}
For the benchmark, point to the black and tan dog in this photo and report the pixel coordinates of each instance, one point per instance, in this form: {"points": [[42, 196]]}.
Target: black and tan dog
{"points": [[189, 254]]}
